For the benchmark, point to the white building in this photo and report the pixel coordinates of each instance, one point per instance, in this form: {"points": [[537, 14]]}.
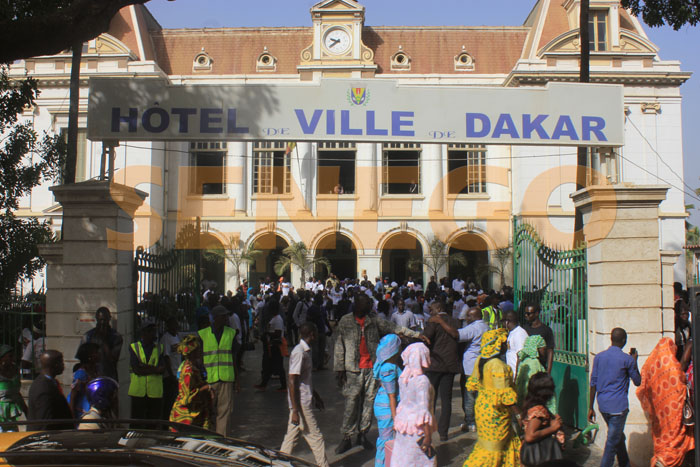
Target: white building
{"points": [[395, 197]]}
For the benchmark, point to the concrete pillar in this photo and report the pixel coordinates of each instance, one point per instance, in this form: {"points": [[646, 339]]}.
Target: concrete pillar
{"points": [[237, 158], [371, 263], [366, 184], [92, 266], [627, 284], [433, 179]]}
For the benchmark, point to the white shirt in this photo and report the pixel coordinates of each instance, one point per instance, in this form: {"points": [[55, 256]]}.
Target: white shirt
{"points": [[309, 285], [235, 322], [457, 285], [276, 324], [516, 341], [285, 288], [405, 319], [300, 364], [170, 349], [336, 295]]}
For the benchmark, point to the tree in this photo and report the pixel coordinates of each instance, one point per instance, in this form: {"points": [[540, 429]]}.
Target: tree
{"points": [[437, 258], [501, 258], [25, 162], [237, 253], [675, 13], [46, 27], [297, 255]]}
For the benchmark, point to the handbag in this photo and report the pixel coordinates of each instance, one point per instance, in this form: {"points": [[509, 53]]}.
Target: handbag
{"points": [[688, 411], [545, 450]]}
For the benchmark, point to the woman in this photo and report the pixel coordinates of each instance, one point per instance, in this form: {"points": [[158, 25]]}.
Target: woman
{"points": [[414, 422], [102, 393], [12, 405], [682, 325], [497, 445], [529, 364], [543, 435], [194, 397], [85, 370], [662, 394], [387, 372]]}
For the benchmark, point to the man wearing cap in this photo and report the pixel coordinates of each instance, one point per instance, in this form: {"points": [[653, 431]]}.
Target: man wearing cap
{"points": [[148, 363], [220, 347]]}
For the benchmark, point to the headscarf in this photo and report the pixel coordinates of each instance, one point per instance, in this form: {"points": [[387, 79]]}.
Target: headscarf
{"points": [[388, 347], [492, 342], [415, 358], [530, 347], [188, 345], [662, 394]]}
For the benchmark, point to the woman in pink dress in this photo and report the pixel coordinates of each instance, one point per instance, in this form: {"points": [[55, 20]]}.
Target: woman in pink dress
{"points": [[414, 423]]}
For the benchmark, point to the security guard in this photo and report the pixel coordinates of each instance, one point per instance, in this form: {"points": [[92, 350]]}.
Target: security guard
{"points": [[147, 366], [220, 348]]}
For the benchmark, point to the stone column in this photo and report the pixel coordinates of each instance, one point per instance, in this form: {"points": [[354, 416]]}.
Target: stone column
{"points": [[237, 157], [433, 180], [625, 285], [92, 266]]}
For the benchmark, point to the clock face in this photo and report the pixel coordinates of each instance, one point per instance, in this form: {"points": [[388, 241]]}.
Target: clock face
{"points": [[337, 41]]}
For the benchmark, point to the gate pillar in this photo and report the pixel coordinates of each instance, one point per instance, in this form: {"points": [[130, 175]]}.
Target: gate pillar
{"points": [[92, 266], [626, 287]]}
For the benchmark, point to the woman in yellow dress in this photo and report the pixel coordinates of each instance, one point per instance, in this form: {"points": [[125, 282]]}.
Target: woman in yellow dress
{"points": [[497, 444]]}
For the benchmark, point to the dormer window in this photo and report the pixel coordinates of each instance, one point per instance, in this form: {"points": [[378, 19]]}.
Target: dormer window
{"points": [[598, 30], [400, 60], [464, 61], [266, 61], [202, 61]]}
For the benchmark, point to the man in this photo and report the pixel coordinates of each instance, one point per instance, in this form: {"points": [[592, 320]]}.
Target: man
{"points": [[109, 340], [401, 317], [516, 340], [273, 360], [458, 284], [170, 341], [220, 348], [535, 326], [444, 361], [491, 313], [46, 400], [285, 286], [148, 364], [302, 399], [471, 336], [610, 380], [355, 352]]}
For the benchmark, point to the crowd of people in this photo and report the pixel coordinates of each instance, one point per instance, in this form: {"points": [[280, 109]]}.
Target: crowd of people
{"points": [[396, 349]]}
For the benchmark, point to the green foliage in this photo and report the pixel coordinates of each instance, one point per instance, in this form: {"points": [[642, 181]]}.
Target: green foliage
{"points": [[500, 259], [676, 13], [25, 162], [236, 253], [297, 254], [437, 258]]}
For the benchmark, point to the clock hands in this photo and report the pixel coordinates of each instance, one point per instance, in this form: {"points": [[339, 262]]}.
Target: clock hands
{"points": [[333, 42]]}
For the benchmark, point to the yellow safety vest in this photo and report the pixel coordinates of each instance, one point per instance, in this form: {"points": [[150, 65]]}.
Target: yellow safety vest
{"points": [[494, 320], [149, 385], [218, 357]]}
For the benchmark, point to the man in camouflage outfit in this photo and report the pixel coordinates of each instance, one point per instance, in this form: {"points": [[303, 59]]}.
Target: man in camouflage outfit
{"points": [[358, 336]]}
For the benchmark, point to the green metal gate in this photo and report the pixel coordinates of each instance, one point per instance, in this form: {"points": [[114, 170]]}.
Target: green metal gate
{"points": [[557, 280]]}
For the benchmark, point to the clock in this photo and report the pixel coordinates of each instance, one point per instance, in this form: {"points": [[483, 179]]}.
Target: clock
{"points": [[337, 41]]}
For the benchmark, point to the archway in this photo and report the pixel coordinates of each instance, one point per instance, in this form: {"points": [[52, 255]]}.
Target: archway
{"points": [[271, 245], [475, 249], [213, 268], [397, 253], [342, 254]]}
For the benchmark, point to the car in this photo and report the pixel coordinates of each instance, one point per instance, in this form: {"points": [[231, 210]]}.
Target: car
{"points": [[185, 447]]}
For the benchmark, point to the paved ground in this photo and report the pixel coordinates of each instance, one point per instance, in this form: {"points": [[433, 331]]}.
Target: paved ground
{"points": [[262, 418]]}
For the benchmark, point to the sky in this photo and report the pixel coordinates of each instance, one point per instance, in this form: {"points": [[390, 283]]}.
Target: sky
{"points": [[679, 45]]}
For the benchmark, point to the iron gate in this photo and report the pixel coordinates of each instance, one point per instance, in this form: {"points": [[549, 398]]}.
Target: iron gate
{"points": [[557, 280]]}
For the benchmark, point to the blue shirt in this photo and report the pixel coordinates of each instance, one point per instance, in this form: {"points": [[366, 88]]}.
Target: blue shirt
{"points": [[471, 334], [612, 371]]}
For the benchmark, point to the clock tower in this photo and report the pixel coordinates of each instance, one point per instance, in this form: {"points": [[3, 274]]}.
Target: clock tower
{"points": [[337, 49]]}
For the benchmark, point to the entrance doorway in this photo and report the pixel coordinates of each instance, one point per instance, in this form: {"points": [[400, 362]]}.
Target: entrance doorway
{"points": [[271, 246], [475, 249], [341, 253], [397, 255]]}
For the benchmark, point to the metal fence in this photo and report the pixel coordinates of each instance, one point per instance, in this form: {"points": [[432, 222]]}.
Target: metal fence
{"points": [[557, 281], [23, 327], [167, 286]]}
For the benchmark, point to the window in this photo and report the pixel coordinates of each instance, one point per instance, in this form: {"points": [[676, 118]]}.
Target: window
{"points": [[598, 30], [401, 168], [336, 168], [271, 167], [207, 163], [81, 157], [605, 166], [466, 165]]}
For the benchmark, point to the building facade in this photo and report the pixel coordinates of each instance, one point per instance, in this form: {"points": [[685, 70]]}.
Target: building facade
{"points": [[371, 207]]}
